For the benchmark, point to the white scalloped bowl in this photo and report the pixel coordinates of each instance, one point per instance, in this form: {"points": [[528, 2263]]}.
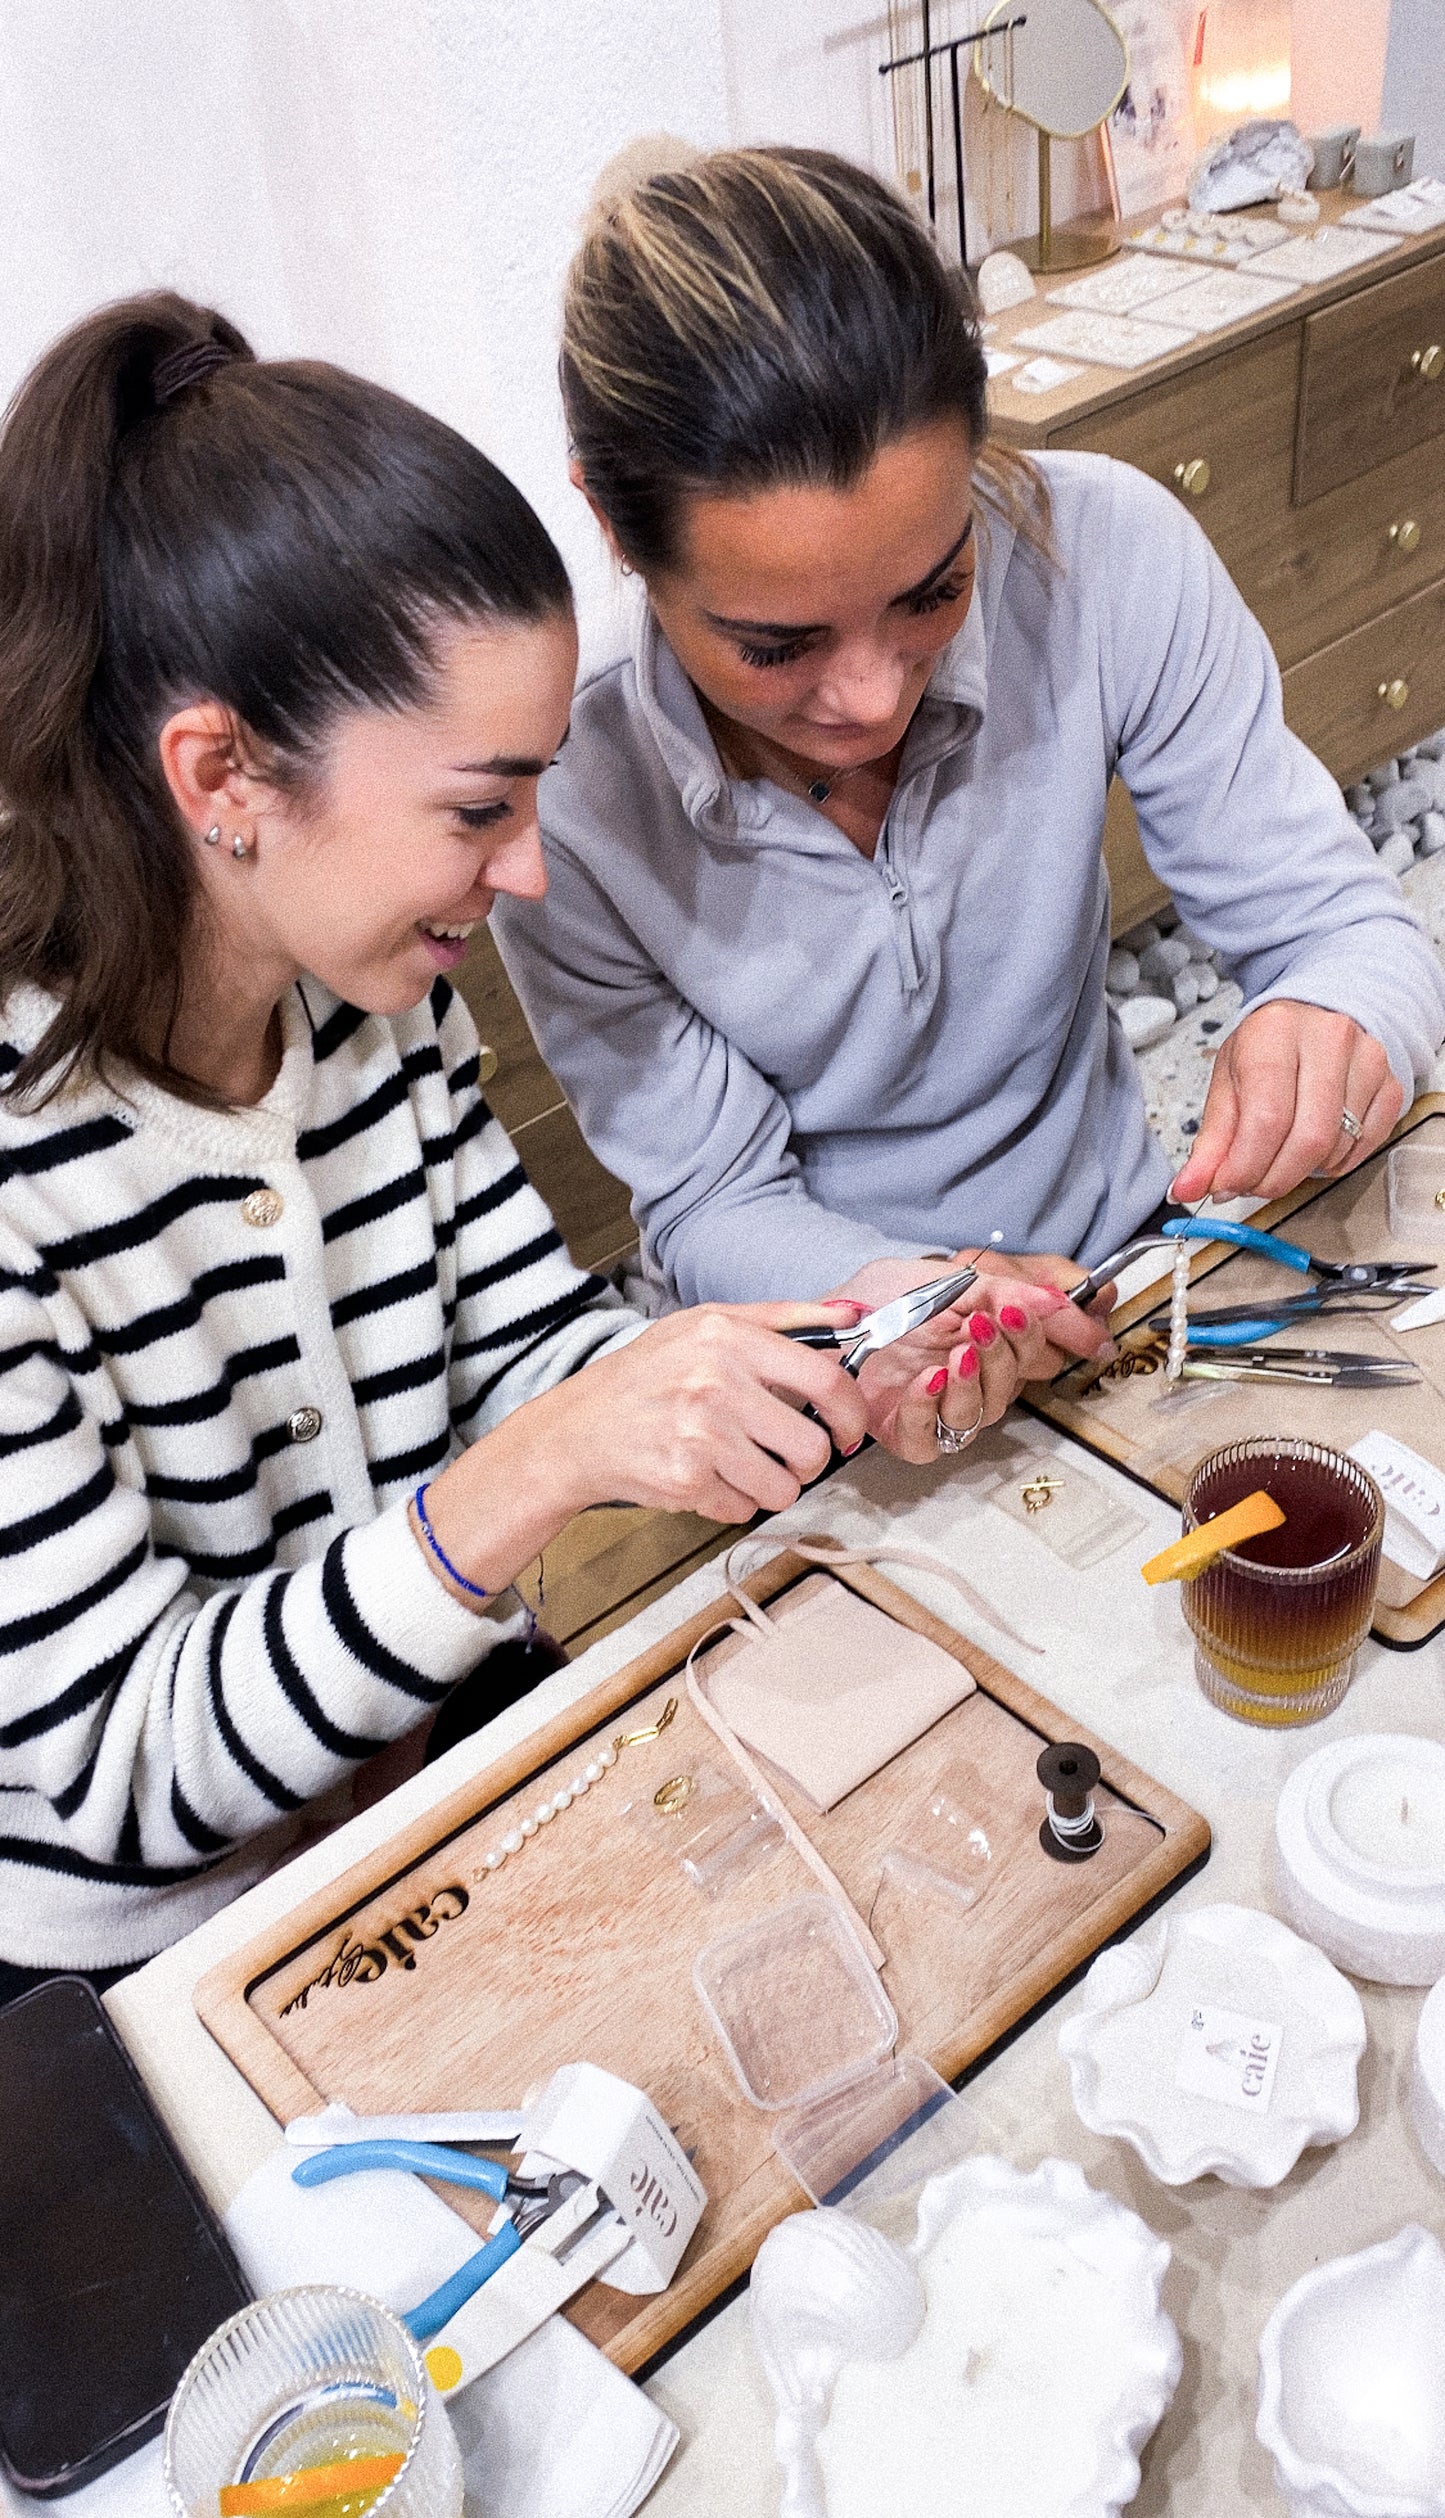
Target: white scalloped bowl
{"points": [[1125, 2045], [1352, 2384], [1042, 2364]]}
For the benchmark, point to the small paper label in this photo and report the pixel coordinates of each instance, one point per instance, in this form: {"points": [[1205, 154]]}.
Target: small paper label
{"points": [[1229, 2057], [1414, 1493]]}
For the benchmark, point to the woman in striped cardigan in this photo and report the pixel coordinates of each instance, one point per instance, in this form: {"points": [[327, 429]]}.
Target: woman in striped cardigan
{"points": [[291, 1354]]}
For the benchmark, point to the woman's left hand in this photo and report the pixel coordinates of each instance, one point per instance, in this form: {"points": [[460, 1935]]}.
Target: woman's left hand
{"points": [[1014, 1331], [1281, 1086]]}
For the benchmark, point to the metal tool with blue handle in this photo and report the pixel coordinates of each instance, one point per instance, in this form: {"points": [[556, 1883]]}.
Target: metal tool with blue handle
{"points": [[1380, 1281], [533, 2200]]}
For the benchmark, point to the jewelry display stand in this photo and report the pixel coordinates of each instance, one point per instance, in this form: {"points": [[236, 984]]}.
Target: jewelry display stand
{"points": [[546, 1913], [1125, 1415]]}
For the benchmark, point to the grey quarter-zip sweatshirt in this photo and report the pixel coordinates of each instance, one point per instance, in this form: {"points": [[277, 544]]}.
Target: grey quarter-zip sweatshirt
{"points": [[799, 1059]]}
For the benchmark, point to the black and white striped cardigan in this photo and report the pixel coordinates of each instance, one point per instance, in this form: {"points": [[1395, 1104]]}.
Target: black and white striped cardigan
{"points": [[231, 1344]]}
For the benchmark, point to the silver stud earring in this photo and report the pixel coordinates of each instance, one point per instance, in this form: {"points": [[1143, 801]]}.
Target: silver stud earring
{"points": [[212, 837], [238, 846]]}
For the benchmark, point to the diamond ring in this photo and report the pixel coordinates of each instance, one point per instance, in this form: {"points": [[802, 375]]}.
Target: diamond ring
{"points": [[951, 1438]]}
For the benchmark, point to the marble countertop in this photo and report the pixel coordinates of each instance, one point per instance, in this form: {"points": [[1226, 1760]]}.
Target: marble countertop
{"points": [[1116, 1654]]}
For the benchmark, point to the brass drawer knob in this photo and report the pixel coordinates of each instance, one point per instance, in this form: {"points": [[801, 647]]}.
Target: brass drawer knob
{"points": [[1406, 534], [1394, 693], [486, 1064], [1193, 477], [1429, 363]]}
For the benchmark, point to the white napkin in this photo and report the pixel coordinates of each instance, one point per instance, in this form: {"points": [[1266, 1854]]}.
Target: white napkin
{"points": [[554, 2431]]}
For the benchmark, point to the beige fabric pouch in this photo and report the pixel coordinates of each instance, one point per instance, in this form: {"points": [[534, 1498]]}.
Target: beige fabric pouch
{"points": [[832, 1689]]}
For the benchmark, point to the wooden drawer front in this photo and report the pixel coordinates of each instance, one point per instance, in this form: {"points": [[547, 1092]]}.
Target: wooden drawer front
{"points": [[1367, 391], [1323, 569], [1237, 415], [1333, 700]]}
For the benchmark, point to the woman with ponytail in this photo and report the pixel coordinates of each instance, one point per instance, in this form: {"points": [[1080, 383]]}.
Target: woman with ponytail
{"points": [[821, 968], [295, 1374]]}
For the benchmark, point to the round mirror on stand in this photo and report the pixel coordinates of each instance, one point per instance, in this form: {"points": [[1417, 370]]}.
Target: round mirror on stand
{"points": [[1063, 68]]}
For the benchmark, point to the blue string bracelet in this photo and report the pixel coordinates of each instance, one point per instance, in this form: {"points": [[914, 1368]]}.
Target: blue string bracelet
{"points": [[474, 1589]]}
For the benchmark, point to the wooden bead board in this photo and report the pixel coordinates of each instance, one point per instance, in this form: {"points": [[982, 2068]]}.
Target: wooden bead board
{"points": [[581, 1946], [1160, 1440]]}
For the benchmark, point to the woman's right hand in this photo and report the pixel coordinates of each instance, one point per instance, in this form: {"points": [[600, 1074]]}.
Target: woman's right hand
{"points": [[695, 1415]]}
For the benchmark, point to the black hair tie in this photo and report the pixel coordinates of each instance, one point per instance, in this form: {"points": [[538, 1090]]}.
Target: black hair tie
{"points": [[187, 366]]}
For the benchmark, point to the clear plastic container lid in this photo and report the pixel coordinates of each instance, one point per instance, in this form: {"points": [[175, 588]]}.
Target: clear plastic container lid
{"points": [[796, 2004]]}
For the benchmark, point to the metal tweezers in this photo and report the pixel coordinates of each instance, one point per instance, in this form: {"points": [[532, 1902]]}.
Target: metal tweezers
{"points": [[1337, 1367]]}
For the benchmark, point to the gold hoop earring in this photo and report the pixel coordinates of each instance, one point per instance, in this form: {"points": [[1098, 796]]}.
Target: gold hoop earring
{"points": [[212, 837]]}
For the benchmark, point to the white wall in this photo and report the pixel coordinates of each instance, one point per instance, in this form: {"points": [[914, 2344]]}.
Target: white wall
{"points": [[1414, 97], [395, 184]]}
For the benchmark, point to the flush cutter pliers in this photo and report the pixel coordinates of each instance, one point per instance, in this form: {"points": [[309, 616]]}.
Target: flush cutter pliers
{"points": [[1347, 1285], [568, 2201]]}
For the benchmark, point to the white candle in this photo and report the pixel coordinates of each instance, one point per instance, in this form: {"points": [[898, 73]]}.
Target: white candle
{"points": [[1360, 1836], [1391, 1809]]}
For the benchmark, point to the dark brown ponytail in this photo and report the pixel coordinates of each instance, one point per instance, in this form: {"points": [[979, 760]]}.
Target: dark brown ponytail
{"points": [[179, 520]]}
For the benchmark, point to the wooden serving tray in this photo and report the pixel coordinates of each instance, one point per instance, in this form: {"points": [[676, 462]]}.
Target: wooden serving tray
{"points": [[582, 1945], [1160, 1441]]}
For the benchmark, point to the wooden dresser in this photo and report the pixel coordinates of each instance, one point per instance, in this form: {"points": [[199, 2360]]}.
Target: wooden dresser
{"points": [[1310, 443]]}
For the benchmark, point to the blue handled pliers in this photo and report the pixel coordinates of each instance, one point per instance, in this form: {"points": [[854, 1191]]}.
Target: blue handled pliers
{"points": [[1381, 1281], [533, 2200]]}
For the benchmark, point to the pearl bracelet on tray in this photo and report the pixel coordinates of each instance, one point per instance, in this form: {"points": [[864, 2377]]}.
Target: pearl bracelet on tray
{"points": [[565, 1794]]}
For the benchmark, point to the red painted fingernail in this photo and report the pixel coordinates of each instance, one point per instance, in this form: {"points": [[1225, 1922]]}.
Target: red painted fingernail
{"points": [[862, 1439], [939, 1382], [981, 1329], [1012, 1318], [967, 1364]]}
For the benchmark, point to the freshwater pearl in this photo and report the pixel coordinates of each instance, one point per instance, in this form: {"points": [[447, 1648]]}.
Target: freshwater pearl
{"points": [[593, 1771], [494, 1860], [529, 1826], [512, 1842], [562, 1800], [545, 1811], [579, 1785], [607, 1756]]}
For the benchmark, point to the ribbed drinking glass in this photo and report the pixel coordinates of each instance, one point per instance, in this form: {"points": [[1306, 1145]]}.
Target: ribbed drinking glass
{"points": [[312, 2378], [1277, 1621]]}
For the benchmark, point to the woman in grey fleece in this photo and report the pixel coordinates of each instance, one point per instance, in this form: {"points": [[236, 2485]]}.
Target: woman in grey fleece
{"points": [[821, 964]]}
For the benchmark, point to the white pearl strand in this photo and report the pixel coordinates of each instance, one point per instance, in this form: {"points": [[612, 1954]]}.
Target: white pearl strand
{"points": [[565, 1794], [1178, 1315]]}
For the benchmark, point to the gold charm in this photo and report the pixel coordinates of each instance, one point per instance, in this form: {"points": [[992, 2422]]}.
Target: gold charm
{"points": [[675, 1793], [1040, 1492], [1440, 1197]]}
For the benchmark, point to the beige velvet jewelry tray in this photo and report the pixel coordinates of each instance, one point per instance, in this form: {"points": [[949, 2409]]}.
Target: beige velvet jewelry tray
{"points": [[470, 1986], [1125, 1415]]}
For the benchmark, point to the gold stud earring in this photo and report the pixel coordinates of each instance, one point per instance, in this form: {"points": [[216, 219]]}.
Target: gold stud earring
{"points": [[212, 837]]}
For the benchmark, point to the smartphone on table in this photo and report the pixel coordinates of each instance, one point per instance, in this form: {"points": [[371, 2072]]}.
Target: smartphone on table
{"points": [[113, 2270]]}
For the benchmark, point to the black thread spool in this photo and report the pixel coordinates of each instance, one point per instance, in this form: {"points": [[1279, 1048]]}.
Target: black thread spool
{"points": [[1070, 1829]]}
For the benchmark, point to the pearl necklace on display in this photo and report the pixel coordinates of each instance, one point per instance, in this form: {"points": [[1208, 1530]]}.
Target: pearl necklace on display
{"points": [[564, 1795]]}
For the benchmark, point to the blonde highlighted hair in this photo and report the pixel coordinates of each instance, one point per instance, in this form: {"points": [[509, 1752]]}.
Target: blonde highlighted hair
{"points": [[761, 317]]}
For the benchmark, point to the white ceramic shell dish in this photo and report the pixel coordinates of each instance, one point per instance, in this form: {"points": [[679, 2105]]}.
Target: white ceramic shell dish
{"points": [[1160, 2050], [1360, 1851], [1018, 2342], [1352, 2384]]}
